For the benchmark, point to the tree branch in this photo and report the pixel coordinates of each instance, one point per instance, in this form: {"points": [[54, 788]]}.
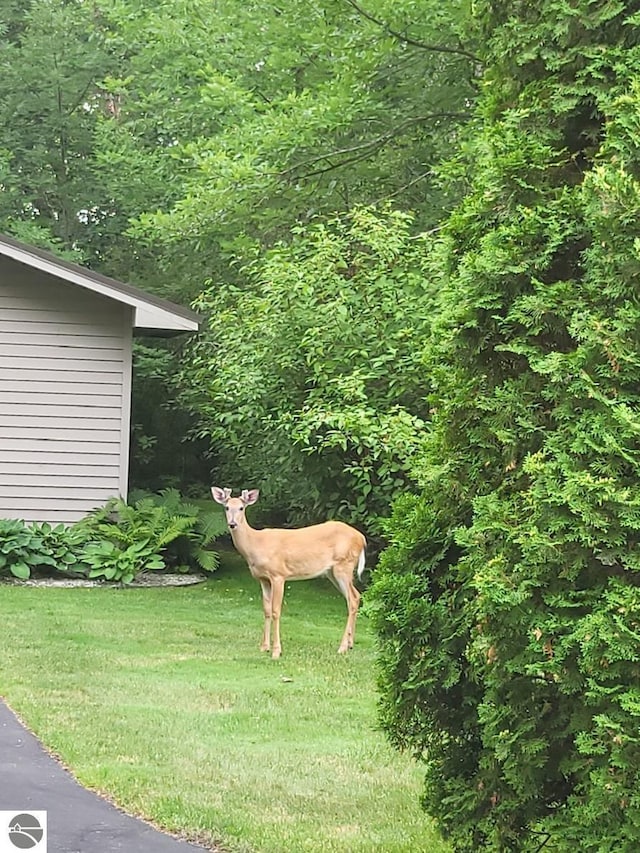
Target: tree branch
{"points": [[367, 147], [438, 48], [81, 98], [405, 187]]}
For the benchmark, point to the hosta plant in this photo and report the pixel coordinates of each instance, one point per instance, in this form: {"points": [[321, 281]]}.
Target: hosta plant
{"points": [[113, 562], [22, 549]]}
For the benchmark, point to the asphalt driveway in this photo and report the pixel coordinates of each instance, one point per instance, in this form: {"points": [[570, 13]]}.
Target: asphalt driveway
{"points": [[78, 821]]}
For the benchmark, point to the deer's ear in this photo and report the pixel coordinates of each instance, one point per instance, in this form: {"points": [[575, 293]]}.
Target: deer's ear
{"points": [[250, 496], [220, 496]]}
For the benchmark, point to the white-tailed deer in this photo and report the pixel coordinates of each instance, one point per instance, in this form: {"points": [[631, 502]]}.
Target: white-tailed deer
{"points": [[274, 556]]}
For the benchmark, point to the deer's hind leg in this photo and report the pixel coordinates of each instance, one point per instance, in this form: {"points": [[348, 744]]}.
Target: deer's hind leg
{"points": [[342, 578]]}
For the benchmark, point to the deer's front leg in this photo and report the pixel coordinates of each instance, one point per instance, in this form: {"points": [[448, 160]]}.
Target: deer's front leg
{"points": [[277, 593], [266, 606]]}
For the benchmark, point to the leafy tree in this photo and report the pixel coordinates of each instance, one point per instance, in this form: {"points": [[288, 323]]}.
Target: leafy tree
{"points": [[305, 110], [299, 112], [50, 61], [217, 127], [308, 378], [507, 605], [168, 144]]}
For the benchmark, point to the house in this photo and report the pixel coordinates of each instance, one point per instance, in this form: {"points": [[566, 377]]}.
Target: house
{"points": [[65, 381]]}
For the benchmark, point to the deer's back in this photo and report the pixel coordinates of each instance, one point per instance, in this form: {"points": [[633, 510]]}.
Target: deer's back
{"points": [[308, 551]]}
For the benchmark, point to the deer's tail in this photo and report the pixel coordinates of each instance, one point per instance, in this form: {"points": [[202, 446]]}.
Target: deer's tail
{"points": [[361, 559]]}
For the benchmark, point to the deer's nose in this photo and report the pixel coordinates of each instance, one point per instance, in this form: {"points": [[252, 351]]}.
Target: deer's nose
{"points": [[232, 525]]}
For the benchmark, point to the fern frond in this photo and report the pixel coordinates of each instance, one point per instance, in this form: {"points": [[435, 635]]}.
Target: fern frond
{"points": [[178, 526], [207, 560], [211, 526]]}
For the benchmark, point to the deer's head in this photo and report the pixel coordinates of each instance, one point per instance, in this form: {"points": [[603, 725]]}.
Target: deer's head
{"points": [[234, 507]]}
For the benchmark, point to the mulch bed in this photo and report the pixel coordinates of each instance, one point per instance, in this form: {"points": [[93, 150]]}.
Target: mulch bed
{"points": [[147, 579]]}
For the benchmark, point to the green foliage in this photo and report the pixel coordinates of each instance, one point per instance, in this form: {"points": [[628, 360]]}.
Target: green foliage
{"points": [[301, 111], [43, 548], [178, 530], [118, 541], [125, 524], [21, 549], [50, 60], [129, 539], [161, 455], [192, 548], [507, 605], [168, 144], [309, 381], [120, 563], [63, 545], [216, 127], [27, 548]]}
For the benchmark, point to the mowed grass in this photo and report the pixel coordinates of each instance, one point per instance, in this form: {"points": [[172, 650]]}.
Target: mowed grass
{"points": [[160, 699]]}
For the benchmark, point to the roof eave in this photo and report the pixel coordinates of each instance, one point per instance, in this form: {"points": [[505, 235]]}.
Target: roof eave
{"points": [[150, 312], [152, 318]]}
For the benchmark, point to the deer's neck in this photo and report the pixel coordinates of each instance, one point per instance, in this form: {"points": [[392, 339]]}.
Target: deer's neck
{"points": [[244, 538]]}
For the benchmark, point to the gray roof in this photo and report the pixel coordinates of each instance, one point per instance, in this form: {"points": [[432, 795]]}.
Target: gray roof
{"points": [[150, 312]]}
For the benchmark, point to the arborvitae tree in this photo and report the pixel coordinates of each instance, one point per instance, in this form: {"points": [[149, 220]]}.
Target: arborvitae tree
{"points": [[508, 605]]}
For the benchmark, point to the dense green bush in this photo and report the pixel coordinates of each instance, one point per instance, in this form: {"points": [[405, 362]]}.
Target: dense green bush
{"points": [[45, 548], [64, 546], [307, 383], [508, 605]]}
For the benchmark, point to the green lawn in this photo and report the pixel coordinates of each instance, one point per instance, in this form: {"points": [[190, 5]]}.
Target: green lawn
{"points": [[160, 699]]}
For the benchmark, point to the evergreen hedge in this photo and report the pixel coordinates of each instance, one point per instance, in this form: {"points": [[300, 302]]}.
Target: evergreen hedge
{"points": [[508, 603]]}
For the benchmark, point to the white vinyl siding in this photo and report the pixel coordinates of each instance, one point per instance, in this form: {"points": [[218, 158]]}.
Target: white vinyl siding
{"points": [[65, 361]]}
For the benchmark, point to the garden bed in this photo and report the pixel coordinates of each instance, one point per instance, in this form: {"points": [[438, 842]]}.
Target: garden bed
{"points": [[145, 580]]}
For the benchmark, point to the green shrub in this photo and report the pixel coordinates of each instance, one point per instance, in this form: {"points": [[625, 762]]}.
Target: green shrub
{"points": [[45, 548], [309, 379], [117, 541], [508, 605]]}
